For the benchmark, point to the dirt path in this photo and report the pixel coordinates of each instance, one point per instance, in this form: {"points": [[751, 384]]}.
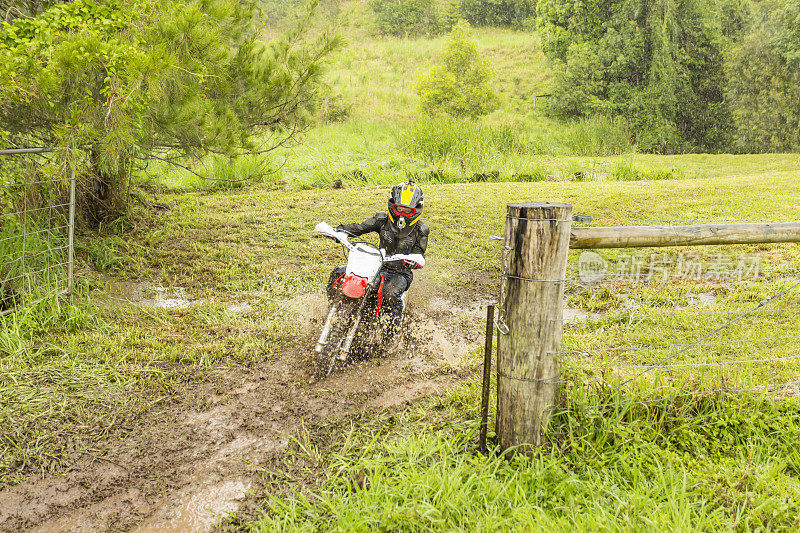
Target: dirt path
{"points": [[184, 470]]}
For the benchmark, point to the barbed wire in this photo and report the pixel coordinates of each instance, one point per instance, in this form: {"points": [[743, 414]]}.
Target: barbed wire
{"points": [[683, 313], [589, 352], [703, 392], [667, 368], [715, 331], [694, 221]]}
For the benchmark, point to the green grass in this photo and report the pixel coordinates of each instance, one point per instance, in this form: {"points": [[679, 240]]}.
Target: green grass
{"points": [[698, 463]]}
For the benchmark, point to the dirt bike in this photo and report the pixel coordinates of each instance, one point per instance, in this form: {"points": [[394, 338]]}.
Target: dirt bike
{"points": [[354, 324]]}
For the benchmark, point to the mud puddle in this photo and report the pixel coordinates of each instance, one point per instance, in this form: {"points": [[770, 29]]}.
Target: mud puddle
{"points": [[199, 510], [170, 298], [148, 295], [182, 471]]}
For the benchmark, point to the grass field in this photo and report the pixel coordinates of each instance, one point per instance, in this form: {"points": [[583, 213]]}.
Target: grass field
{"points": [[257, 242], [683, 451]]}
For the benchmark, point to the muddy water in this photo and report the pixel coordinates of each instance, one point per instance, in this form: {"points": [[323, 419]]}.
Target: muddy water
{"points": [[199, 510], [148, 295], [155, 297]]}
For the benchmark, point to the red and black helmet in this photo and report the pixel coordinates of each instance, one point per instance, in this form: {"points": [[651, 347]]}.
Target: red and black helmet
{"points": [[405, 207]]}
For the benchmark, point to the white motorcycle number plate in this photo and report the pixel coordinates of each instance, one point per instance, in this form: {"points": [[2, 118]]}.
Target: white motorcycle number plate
{"points": [[364, 262]]}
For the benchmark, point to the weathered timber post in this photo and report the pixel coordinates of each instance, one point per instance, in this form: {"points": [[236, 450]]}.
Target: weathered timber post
{"points": [[531, 306]]}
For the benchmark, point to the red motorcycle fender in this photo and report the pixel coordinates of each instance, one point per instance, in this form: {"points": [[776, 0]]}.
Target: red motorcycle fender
{"points": [[354, 286]]}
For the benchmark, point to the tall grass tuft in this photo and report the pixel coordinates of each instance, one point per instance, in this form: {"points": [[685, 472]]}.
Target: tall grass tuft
{"points": [[624, 171], [445, 141], [595, 136]]}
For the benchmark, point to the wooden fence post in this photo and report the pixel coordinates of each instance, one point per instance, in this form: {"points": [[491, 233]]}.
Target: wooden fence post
{"points": [[531, 308]]}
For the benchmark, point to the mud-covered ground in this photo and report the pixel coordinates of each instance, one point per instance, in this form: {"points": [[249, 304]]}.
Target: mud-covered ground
{"points": [[182, 470]]}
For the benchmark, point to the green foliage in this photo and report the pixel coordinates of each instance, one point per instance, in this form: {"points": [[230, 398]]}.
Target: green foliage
{"points": [[764, 90], [125, 83], [787, 38], [660, 66], [517, 13], [407, 18], [734, 17], [461, 84]]}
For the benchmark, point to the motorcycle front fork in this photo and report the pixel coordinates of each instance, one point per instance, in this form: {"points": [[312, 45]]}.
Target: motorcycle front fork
{"points": [[326, 329]]}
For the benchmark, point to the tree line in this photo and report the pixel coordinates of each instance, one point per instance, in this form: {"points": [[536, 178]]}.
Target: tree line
{"points": [[685, 75]]}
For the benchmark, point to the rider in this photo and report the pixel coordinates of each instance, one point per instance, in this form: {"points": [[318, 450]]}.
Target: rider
{"points": [[401, 232]]}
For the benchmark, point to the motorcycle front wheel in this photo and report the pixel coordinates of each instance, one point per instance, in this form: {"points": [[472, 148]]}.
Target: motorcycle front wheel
{"points": [[326, 359]]}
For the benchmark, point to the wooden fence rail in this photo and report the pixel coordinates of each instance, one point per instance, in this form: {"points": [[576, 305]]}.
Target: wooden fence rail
{"points": [[697, 234]]}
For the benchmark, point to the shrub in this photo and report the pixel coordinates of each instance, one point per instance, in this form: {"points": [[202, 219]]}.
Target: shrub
{"points": [[461, 84], [409, 18], [497, 12]]}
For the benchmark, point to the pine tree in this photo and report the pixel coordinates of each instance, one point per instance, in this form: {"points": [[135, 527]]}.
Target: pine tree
{"points": [[124, 83]]}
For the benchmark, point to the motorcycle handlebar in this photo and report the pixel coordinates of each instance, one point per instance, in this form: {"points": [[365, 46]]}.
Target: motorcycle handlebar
{"points": [[411, 260]]}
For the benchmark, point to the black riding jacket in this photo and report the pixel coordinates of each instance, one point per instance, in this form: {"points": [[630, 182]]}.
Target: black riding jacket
{"points": [[416, 242]]}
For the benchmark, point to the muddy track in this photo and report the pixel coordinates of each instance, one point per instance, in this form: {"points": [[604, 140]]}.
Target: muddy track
{"points": [[182, 470]]}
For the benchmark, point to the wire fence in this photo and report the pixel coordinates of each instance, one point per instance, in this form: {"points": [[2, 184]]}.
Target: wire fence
{"points": [[37, 226], [654, 325]]}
